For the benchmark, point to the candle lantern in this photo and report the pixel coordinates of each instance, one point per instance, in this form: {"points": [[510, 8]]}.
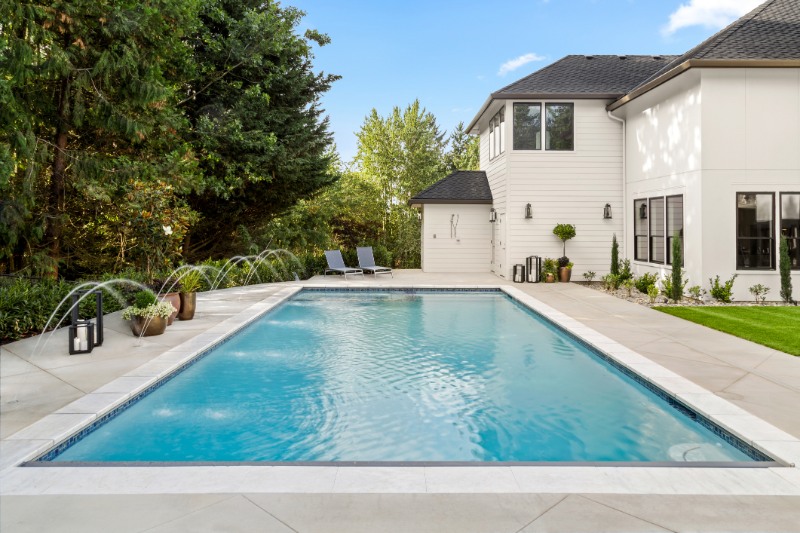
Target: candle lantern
{"points": [[81, 337], [98, 313]]}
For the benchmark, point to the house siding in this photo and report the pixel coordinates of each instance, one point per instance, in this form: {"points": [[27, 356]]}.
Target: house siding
{"points": [[496, 174], [464, 246]]}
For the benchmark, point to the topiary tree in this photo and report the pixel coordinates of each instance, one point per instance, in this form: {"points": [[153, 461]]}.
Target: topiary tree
{"points": [[564, 232], [784, 265], [677, 274], [614, 256]]}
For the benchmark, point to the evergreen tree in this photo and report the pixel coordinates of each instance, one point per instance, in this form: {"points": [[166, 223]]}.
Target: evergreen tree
{"points": [[614, 256], [463, 153], [677, 273], [784, 265]]}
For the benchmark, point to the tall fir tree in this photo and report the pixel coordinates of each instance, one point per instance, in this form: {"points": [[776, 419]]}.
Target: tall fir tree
{"points": [[677, 270], [784, 266]]}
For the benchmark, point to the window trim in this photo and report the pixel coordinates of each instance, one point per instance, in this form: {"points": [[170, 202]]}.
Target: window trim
{"points": [[665, 220], [771, 237], [667, 237], [543, 126], [497, 144], [650, 226], [636, 236], [780, 222]]}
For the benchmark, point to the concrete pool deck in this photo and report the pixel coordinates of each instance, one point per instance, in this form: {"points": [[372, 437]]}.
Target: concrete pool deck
{"points": [[33, 385]]}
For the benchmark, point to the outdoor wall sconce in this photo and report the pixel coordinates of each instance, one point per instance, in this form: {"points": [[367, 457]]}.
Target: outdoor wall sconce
{"points": [[607, 211], [528, 211], [643, 211], [97, 334], [492, 215]]}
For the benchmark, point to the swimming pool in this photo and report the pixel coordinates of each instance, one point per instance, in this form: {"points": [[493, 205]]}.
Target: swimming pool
{"points": [[404, 376]]}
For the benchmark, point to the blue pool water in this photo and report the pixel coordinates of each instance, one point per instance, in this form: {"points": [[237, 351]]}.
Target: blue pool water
{"points": [[396, 376]]}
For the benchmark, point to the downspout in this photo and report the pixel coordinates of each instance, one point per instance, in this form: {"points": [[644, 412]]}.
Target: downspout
{"points": [[624, 186]]}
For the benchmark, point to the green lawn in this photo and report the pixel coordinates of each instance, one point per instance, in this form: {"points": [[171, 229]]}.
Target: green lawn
{"points": [[776, 327]]}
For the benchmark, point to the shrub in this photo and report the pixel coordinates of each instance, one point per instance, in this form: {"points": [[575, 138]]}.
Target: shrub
{"points": [[160, 309], [652, 292], [645, 281], [611, 281], [564, 232], [614, 256], [629, 285], [625, 272], [563, 262], [696, 291], [143, 299], [549, 266], [677, 275], [722, 292], [589, 276], [759, 292], [784, 265], [669, 290]]}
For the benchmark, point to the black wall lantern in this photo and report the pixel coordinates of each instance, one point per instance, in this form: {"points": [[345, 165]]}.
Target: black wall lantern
{"points": [[528, 211], [492, 215], [643, 211], [97, 331], [607, 211]]}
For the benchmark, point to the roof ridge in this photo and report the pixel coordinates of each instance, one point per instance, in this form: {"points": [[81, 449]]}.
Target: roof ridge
{"points": [[736, 25]]}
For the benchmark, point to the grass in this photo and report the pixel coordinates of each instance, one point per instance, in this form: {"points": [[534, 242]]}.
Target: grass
{"points": [[776, 327]]}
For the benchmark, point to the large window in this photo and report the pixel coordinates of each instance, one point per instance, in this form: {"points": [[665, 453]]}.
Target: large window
{"points": [[656, 230], [558, 128], [755, 244], [640, 245], [497, 136], [790, 226], [674, 225], [655, 222]]}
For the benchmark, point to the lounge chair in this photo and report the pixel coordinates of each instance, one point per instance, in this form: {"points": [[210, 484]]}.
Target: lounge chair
{"points": [[366, 260], [336, 264]]}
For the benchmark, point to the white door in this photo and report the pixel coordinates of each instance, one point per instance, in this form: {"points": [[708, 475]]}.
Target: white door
{"points": [[499, 244]]}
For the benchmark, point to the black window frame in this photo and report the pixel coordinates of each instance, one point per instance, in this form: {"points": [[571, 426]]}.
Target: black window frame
{"points": [[513, 128], [650, 240], [771, 237], [543, 105], [636, 236], [668, 234], [545, 140], [780, 218]]}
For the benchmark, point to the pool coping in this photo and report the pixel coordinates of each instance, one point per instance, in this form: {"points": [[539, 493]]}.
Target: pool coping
{"points": [[582, 477]]}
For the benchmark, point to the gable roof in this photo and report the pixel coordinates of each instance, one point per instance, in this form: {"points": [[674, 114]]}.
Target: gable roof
{"points": [[460, 187], [768, 36], [579, 76]]}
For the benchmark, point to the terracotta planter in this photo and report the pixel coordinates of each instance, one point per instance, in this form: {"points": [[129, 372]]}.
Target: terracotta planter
{"points": [[564, 274], [188, 305], [175, 299], [141, 326], [549, 278]]}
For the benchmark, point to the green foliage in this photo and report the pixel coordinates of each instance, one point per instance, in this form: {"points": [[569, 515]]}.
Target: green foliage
{"points": [[156, 309], [625, 272], [564, 232], [645, 281], [724, 291], [549, 266], [652, 292], [628, 285], [143, 299], [676, 290], [612, 281], [589, 276], [190, 281], [696, 291], [759, 292], [784, 266], [464, 150], [614, 256], [773, 326], [671, 291]]}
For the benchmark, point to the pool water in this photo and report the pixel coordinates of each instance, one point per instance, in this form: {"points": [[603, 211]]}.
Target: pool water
{"points": [[401, 376]]}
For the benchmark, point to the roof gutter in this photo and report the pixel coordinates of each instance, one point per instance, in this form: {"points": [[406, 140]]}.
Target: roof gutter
{"points": [[702, 63]]}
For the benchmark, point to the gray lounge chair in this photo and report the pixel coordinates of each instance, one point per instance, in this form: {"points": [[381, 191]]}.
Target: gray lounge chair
{"points": [[366, 260], [336, 264]]}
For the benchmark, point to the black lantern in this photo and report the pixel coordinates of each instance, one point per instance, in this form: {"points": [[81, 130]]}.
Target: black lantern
{"points": [[643, 211], [98, 317], [528, 211], [81, 337], [607, 211], [492, 215]]}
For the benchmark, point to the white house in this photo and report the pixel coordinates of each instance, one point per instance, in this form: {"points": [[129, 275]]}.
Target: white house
{"points": [[706, 144]]}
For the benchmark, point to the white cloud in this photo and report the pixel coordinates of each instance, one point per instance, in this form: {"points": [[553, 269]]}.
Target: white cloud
{"points": [[514, 64], [709, 13]]}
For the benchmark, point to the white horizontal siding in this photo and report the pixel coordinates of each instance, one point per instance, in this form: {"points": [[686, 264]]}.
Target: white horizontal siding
{"points": [[463, 248]]}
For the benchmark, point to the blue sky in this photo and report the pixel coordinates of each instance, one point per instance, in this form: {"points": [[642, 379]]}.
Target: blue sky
{"points": [[451, 54]]}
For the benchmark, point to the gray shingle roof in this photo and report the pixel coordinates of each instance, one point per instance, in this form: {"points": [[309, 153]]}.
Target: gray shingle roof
{"points": [[460, 187], [603, 76], [770, 31]]}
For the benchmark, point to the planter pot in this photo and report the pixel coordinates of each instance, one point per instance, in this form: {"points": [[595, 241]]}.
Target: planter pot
{"points": [[564, 274], [188, 305], [141, 326], [175, 299], [549, 278]]}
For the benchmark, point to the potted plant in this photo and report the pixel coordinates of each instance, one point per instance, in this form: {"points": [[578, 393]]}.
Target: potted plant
{"points": [[549, 268], [564, 232], [190, 283], [172, 297], [147, 315]]}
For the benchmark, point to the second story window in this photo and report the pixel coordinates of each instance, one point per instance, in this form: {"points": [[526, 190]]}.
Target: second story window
{"points": [[557, 129], [497, 136]]}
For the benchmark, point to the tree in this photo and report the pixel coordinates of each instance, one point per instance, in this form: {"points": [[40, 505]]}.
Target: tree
{"points": [[400, 155], [614, 256], [464, 150], [257, 127], [677, 262], [88, 99], [785, 265]]}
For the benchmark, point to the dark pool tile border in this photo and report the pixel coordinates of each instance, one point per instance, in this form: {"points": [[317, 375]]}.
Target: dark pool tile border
{"points": [[759, 457]]}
